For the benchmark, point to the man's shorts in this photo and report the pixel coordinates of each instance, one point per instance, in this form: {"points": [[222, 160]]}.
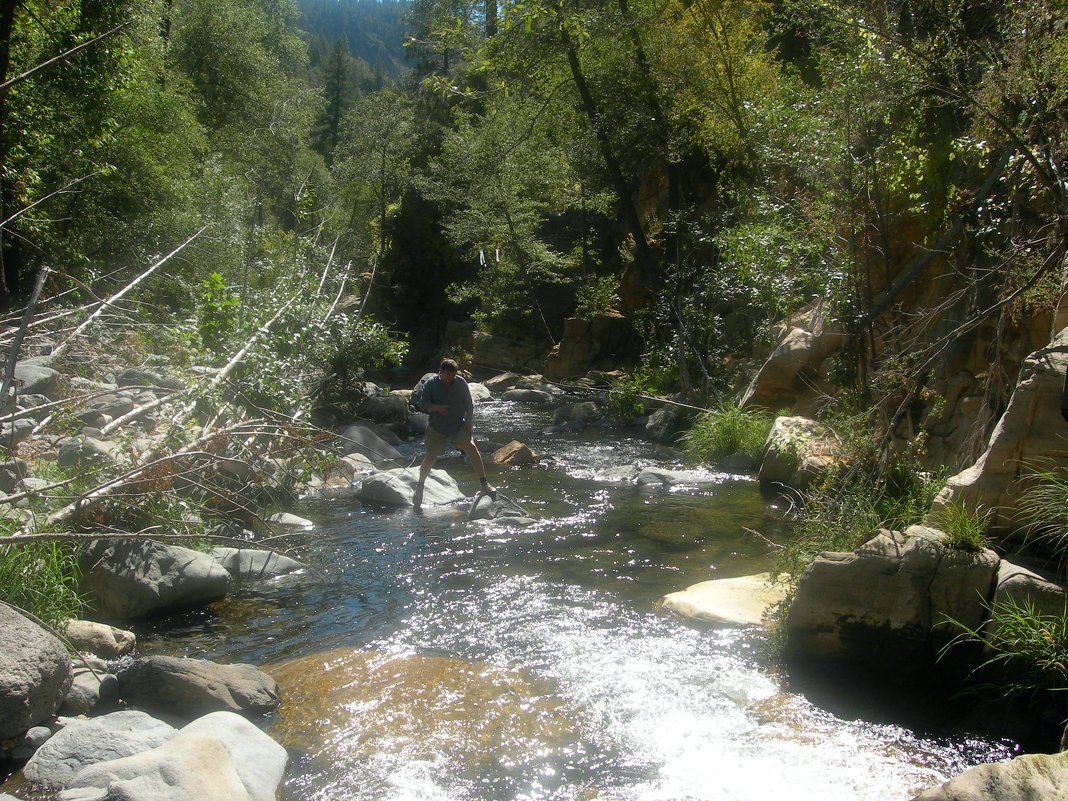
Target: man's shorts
{"points": [[437, 443]]}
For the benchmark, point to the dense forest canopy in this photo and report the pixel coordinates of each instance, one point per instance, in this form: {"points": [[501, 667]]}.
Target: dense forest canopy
{"points": [[706, 166]]}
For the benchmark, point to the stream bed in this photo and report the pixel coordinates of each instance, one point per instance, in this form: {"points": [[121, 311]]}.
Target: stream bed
{"points": [[425, 656]]}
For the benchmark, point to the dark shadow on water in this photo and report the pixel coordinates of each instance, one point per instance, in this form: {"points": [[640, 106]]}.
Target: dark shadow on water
{"points": [[926, 706]]}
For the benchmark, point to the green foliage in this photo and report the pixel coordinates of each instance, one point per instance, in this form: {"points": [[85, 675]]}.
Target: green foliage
{"points": [[42, 579], [1027, 653], [502, 176], [349, 346], [598, 295], [1044, 508], [653, 377], [848, 508], [218, 313], [725, 432], [965, 530], [830, 518]]}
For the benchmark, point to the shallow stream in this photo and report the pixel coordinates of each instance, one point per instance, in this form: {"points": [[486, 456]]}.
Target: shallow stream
{"points": [[423, 656]]}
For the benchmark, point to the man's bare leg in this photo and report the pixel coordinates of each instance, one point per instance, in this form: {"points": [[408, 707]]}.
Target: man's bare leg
{"points": [[480, 468], [424, 471]]}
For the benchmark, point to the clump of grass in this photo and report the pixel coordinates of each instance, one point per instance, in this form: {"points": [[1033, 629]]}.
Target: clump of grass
{"points": [[965, 530], [1028, 652], [726, 432], [833, 517], [41, 578], [1044, 506]]}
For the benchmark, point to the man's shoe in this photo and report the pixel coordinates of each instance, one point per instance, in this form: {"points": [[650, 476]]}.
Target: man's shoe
{"points": [[488, 489], [417, 498]]}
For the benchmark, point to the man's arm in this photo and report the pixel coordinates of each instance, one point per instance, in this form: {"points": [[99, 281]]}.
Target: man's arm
{"points": [[469, 409]]}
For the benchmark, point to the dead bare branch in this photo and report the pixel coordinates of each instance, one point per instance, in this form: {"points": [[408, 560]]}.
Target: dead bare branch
{"points": [[111, 301]]}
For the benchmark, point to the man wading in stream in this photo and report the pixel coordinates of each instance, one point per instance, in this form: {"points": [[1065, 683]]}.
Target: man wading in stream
{"points": [[447, 400]]}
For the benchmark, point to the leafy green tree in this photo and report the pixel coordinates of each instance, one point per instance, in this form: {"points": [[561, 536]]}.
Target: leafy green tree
{"points": [[371, 173], [503, 178]]}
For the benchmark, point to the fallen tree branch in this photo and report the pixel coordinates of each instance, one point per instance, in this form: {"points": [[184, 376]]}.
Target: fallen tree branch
{"points": [[110, 301]]}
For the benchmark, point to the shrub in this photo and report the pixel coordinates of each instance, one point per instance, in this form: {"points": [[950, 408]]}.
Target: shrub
{"points": [[598, 295], [847, 509], [725, 432]]}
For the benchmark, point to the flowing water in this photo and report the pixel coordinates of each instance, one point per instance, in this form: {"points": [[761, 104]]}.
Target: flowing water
{"points": [[424, 656]]}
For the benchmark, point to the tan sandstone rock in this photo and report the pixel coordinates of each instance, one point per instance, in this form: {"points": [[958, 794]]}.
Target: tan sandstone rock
{"points": [[743, 600]]}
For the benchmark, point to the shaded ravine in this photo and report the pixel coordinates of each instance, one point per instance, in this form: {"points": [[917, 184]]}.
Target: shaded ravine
{"points": [[424, 656]]}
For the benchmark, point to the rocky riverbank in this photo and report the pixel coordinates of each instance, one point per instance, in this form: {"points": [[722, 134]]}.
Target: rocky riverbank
{"points": [[115, 716]]}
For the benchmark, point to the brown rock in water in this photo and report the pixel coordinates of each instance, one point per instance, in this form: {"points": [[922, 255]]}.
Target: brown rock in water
{"points": [[515, 452], [346, 705]]}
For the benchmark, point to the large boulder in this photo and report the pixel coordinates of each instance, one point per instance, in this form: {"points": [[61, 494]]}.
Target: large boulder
{"points": [[1024, 585], [188, 688], [578, 414], [887, 603], [219, 757], [254, 564], [1026, 778], [502, 382], [667, 424], [361, 438], [385, 408], [792, 377], [1025, 439], [497, 352], [84, 742], [35, 673], [93, 686], [662, 477], [524, 395], [797, 452], [85, 452], [35, 377], [397, 487], [127, 579], [11, 473], [603, 339], [744, 600], [514, 453]]}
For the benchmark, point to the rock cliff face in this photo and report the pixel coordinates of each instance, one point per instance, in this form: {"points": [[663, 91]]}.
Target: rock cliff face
{"points": [[1030, 436]]}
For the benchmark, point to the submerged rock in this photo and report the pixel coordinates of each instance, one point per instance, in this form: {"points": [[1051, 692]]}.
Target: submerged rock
{"points": [[347, 705]]}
